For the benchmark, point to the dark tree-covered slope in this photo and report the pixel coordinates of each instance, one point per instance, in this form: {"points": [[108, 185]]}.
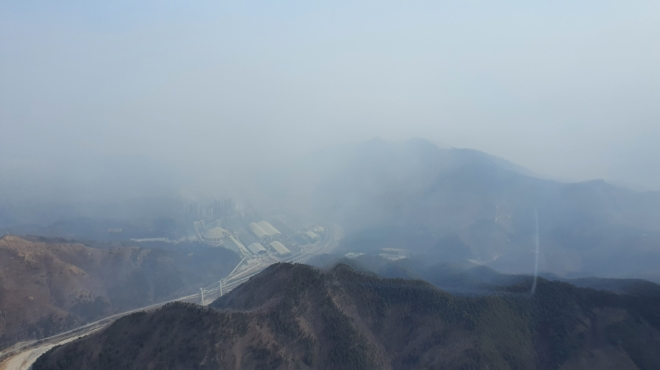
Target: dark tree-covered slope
{"points": [[299, 317]]}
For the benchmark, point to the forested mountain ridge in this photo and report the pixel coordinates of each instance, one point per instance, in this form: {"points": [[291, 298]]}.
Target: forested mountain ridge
{"points": [[299, 317]]}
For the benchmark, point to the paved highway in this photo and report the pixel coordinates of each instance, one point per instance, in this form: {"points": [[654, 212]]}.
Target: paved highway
{"points": [[22, 355]]}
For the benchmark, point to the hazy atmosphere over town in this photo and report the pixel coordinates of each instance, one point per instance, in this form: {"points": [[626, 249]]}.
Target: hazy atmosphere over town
{"points": [[329, 185]]}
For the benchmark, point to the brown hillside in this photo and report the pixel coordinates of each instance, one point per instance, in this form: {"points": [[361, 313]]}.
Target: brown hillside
{"points": [[48, 287]]}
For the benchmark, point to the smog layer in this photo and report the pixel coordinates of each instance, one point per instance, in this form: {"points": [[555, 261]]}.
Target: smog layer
{"points": [[347, 184]]}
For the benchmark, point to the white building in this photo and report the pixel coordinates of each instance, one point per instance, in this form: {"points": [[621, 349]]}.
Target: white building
{"points": [[257, 248], [258, 231], [280, 248], [268, 228], [215, 234]]}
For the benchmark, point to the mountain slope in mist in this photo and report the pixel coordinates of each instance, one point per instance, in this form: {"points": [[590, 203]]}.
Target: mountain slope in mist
{"points": [[144, 217], [297, 317], [470, 279], [448, 204], [47, 287]]}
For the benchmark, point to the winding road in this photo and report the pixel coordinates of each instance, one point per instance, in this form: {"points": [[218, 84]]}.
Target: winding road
{"points": [[22, 355]]}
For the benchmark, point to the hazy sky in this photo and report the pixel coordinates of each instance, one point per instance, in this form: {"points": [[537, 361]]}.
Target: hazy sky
{"points": [[568, 89]]}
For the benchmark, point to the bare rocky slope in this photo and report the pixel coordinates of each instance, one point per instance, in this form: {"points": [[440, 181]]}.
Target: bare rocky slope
{"points": [[299, 317], [47, 287]]}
